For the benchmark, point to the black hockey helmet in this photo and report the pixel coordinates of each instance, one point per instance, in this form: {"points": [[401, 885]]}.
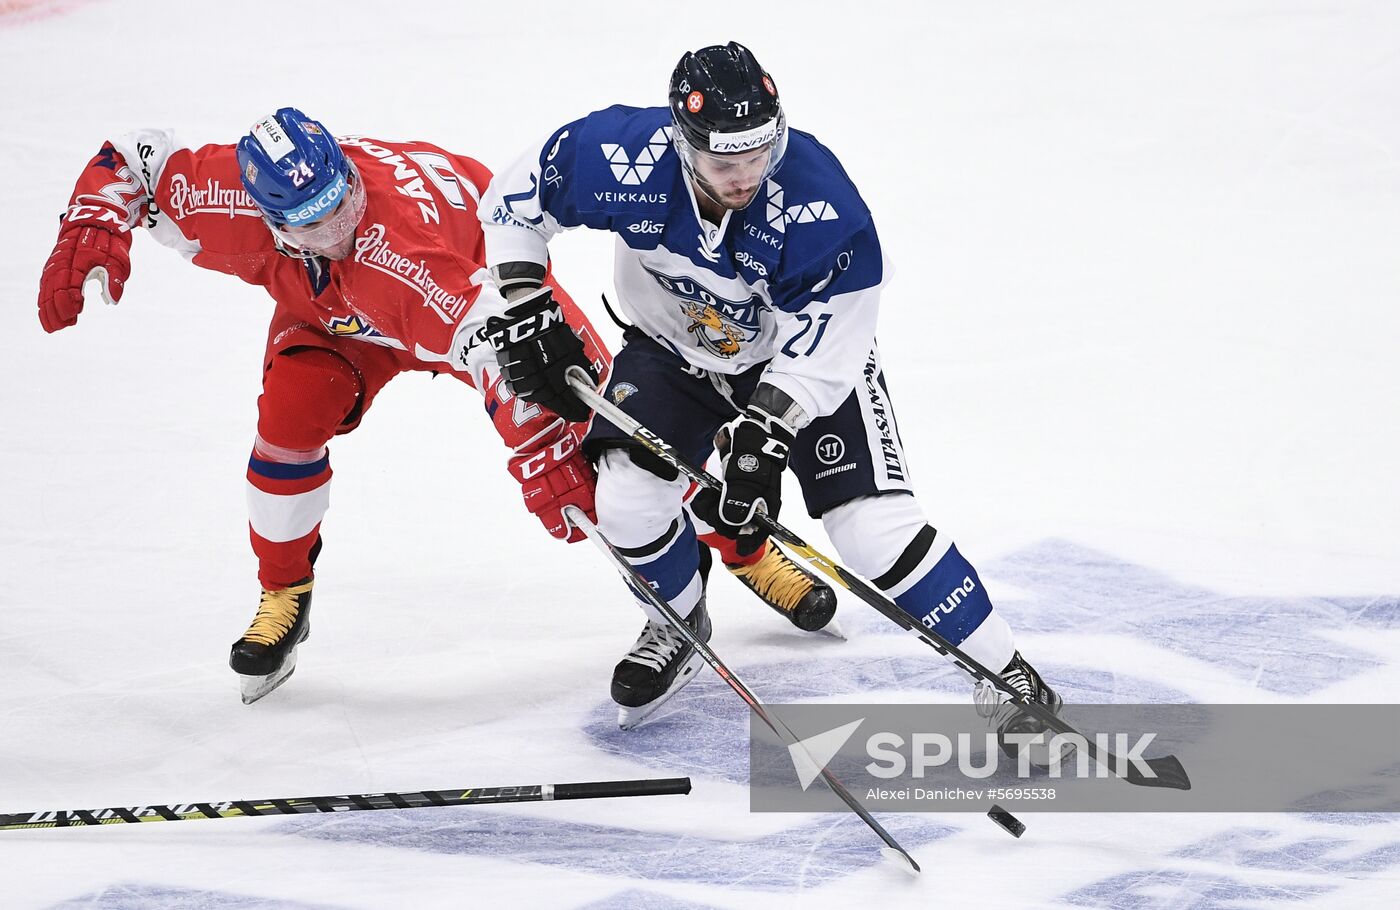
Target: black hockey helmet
{"points": [[721, 89], [724, 103]]}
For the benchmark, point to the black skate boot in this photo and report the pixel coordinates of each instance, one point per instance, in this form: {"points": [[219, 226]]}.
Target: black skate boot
{"points": [[792, 591], [1008, 717], [266, 655], [660, 663]]}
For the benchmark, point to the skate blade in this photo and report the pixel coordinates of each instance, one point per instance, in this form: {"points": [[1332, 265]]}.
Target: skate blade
{"points": [[255, 687], [833, 629], [632, 718]]}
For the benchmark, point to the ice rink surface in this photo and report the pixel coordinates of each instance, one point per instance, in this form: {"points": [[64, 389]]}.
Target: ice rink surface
{"points": [[1142, 338]]}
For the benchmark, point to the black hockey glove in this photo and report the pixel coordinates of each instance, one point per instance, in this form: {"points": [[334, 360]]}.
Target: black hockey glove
{"points": [[753, 449], [534, 346]]}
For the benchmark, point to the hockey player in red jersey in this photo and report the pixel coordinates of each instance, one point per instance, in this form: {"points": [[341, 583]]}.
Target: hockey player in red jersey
{"points": [[373, 254]]}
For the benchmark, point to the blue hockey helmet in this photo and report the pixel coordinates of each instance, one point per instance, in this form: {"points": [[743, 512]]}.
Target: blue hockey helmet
{"points": [[298, 176]]}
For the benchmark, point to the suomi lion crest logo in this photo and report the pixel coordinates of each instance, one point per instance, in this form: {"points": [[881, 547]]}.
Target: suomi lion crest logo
{"points": [[720, 326], [704, 317]]}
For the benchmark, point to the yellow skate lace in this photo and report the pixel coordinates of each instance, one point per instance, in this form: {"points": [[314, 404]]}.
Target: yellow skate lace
{"points": [[277, 611], [776, 579]]}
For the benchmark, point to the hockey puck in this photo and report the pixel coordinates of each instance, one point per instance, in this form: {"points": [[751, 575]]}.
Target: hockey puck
{"points": [[1008, 821]]}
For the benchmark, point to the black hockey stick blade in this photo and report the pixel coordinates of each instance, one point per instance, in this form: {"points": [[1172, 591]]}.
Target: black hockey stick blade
{"points": [[1167, 770], [1170, 774], [307, 805]]}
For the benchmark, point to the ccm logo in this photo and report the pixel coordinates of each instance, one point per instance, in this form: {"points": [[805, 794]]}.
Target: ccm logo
{"points": [[547, 458], [526, 328]]}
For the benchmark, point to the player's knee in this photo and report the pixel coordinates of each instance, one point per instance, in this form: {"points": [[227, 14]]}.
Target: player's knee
{"points": [[635, 507], [640, 456], [307, 394], [870, 532]]}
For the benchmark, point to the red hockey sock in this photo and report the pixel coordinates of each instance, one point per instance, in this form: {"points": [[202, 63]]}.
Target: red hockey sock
{"points": [[286, 503], [306, 396]]}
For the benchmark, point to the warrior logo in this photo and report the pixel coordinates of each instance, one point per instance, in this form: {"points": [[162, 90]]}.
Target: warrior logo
{"points": [[720, 326], [830, 449], [779, 217], [632, 173]]}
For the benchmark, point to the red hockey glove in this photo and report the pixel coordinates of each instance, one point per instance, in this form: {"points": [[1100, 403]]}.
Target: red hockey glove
{"points": [[554, 477], [94, 241], [82, 250]]}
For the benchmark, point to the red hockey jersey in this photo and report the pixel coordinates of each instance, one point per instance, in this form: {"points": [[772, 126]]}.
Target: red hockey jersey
{"points": [[415, 282], [411, 282]]}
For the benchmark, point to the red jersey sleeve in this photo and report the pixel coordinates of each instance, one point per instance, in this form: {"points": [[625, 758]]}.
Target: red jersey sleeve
{"points": [[200, 195]]}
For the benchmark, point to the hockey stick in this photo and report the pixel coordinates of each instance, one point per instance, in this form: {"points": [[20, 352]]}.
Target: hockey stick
{"points": [[575, 516], [1167, 770], [307, 805]]}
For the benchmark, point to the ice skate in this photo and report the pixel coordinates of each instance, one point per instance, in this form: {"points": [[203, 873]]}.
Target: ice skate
{"points": [[661, 662], [1008, 717], [805, 600], [658, 666], [266, 655]]}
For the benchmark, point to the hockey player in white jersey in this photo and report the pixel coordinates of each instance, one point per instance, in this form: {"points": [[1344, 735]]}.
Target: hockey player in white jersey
{"points": [[752, 273]]}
